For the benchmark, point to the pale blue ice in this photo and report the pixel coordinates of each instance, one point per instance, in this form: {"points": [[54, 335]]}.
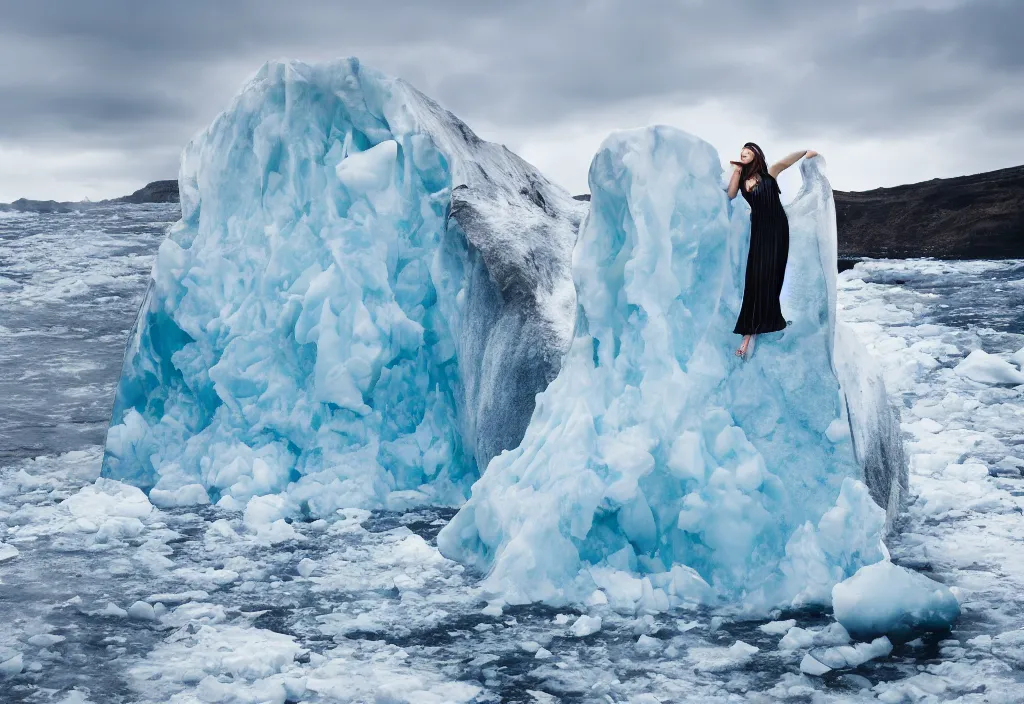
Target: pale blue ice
{"points": [[659, 468], [357, 308]]}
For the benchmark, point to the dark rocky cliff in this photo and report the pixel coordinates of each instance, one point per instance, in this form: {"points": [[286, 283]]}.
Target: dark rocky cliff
{"points": [[155, 192], [969, 217]]}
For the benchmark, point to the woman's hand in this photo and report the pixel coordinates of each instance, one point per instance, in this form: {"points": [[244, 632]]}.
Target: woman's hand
{"points": [[810, 153]]}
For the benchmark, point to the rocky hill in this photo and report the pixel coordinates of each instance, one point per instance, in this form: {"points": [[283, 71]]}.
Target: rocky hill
{"points": [[969, 217], [155, 192]]}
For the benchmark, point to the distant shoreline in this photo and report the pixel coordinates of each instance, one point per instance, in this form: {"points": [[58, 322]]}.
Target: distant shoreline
{"points": [[154, 192], [980, 216]]}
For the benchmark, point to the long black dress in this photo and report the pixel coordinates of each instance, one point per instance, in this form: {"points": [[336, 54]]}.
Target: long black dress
{"points": [[766, 261]]}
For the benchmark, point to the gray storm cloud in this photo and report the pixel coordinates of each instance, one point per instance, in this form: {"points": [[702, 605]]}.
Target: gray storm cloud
{"points": [[124, 76]]}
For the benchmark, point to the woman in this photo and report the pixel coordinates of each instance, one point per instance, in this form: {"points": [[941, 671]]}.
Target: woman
{"points": [[769, 241]]}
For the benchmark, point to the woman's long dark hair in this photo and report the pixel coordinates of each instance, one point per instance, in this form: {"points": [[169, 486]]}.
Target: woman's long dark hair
{"points": [[758, 166]]}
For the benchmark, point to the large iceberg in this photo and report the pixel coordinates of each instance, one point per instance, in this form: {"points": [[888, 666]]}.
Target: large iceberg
{"points": [[365, 305], [659, 468], [357, 308]]}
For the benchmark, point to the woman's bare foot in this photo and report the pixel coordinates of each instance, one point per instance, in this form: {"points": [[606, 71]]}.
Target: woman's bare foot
{"points": [[742, 351]]}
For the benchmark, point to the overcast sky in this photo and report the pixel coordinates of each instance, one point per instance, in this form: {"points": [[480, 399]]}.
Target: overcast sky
{"points": [[98, 97]]}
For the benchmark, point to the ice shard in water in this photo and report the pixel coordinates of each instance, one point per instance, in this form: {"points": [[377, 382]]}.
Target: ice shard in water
{"points": [[658, 467], [357, 308]]}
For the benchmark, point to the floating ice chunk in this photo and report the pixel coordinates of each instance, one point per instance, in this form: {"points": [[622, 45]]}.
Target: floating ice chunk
{"points": [[221, 528], [811, 666], [585, 625], [76, 696], [7, 552], [967, 472], [108, 499], [264, 515], [1009, 646], [792, 686], [188, 495], [110, 510], [988, 368], [542, 654], [645, 624], [797, 638], [111, 609], [1018, 358], [982, 642], [12, 666], [648, 644], [818, 662], [481, 660], [241, 653], [357, 308], [45, 640], [655, 447], [887, 599], [142, 611], [720, 659], [263, 510], [208, 577], [306, 567], [177, 597], [280, 531], [777, 628], [192, 613], [800, 638]]}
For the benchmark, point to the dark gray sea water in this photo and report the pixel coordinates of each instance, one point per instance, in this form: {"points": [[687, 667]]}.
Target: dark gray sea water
{"points": [[69, 287], [107, 599], [965, 294]]}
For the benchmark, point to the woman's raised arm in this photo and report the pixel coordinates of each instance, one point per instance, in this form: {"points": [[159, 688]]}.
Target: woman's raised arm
{"points": [[734, 181], [782, 164]]}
